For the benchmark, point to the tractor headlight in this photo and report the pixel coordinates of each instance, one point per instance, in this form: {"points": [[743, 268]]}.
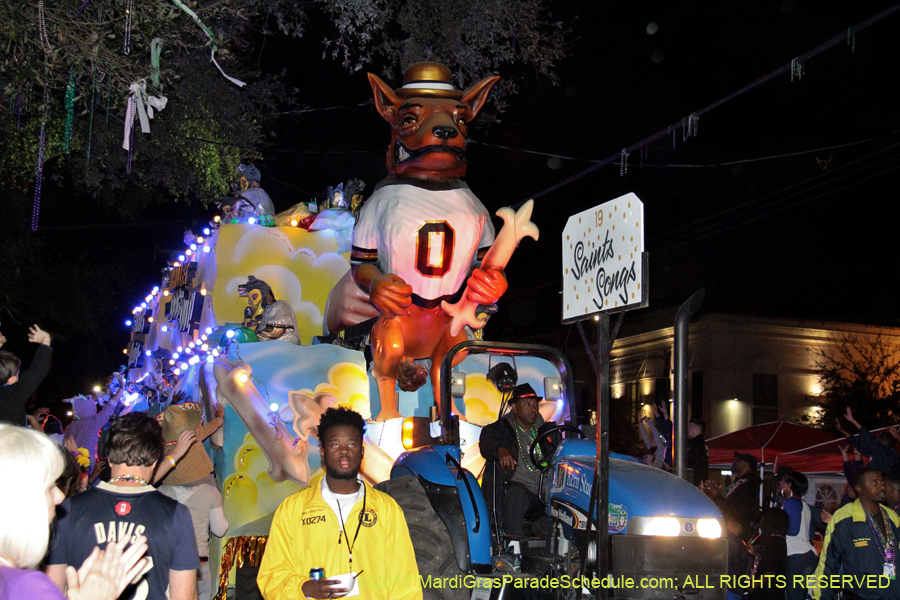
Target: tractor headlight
{"points": [[664, 526], [416, 432], [407, 433], [709, 528]]}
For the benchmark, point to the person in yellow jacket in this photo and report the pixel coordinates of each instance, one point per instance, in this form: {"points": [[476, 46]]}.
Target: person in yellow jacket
{"points": [[860, 552], [339, 523]]}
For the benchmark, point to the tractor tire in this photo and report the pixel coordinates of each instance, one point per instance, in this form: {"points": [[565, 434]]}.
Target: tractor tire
{"points": [[431, 542]]}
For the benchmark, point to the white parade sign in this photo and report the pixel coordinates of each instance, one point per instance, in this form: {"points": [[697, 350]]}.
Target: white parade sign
{"points": [[603, 260]]}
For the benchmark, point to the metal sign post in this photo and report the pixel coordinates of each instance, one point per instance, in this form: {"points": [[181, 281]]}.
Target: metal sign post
{"points": [[604, 271], [601, 465]]}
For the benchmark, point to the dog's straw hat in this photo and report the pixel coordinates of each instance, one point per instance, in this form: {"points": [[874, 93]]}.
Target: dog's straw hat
{"points": [[428, 80], [178, 418]]}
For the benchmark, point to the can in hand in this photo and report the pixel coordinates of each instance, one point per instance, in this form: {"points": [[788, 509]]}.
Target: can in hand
{"points": [[317, 574]]}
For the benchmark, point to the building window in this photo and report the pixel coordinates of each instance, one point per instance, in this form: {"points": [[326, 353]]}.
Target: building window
{"points": [[697, 395], [765, 398]]}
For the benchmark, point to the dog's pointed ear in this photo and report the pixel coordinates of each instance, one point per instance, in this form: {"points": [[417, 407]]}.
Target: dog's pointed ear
{"points": [[476, 96], [386, 101]]}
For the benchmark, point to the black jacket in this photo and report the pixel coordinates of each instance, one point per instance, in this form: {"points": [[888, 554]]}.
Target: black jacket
{"points": [[14, 398], [502, 433], [851, 549], [698, 459], [740, 501]]}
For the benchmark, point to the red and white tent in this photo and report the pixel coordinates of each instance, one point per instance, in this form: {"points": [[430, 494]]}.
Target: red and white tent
{"points": [[821, 458], [767, 442]]}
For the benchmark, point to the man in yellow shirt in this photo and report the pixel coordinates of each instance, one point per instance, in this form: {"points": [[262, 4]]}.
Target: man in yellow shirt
{"points": [[341, 524]]}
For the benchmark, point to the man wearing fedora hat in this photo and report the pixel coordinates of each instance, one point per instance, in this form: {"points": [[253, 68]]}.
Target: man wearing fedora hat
{"points": [[511, 477]]}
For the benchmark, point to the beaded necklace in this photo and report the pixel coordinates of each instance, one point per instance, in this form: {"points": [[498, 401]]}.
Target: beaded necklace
{"points": [[525, 458], [737, 483], [886, 539], [758, 556], [129, 478], [42, 30], [129, 20]]}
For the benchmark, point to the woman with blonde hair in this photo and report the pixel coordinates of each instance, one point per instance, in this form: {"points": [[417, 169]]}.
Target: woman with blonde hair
{"points": [[30, 464]]}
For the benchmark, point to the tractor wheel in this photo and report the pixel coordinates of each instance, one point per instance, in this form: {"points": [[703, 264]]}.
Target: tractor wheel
{"points": [[434, 550]]}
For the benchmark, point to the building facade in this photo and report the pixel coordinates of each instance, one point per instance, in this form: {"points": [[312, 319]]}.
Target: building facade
{"points": [[743, 370]]}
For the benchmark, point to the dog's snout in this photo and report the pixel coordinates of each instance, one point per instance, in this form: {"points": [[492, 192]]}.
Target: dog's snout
{"points": [[442, 132]]}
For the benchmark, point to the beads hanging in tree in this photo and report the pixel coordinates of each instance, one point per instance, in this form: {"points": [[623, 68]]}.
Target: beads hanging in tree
{"points": [[70, 110], [18, 110], [38, 178], [130, 145], [91, 118], [129, 18], [75, 12], [108, 85], [42, 29]]}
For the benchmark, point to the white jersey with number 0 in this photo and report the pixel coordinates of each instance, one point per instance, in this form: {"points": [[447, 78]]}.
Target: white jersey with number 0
{"points": [[429, 237]]}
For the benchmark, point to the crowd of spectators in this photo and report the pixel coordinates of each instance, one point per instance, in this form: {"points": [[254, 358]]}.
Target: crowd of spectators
{"points": [[105, 467], [127, 489], [851, 554]]}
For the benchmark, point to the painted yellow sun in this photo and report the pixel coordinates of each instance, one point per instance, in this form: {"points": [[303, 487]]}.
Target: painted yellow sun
{"points": [[482, 400], [349, 385]]}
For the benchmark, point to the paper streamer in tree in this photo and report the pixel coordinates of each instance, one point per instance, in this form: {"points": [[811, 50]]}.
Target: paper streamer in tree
{"points": [[212, 54]]}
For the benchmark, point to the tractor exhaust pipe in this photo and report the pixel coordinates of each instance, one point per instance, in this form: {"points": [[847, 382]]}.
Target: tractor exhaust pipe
{"points": [[679, 393]]}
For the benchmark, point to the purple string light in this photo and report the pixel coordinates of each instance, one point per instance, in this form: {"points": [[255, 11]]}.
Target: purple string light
{"points": [[39, 176]]}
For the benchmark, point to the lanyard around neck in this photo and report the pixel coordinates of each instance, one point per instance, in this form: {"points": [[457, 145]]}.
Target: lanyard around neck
{"points": [[343, 528], [884, 542]]}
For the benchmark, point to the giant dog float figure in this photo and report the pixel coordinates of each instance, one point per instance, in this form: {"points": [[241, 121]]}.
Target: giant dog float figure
{"points": [[419, 245]]}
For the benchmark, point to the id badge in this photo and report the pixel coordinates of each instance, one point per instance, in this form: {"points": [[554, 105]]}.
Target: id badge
{"points": [[889, 570]]}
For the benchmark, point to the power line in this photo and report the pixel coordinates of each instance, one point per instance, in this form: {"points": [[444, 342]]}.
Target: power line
{"points": [[268, 175], [689, 166], [786, 188], [151, 225], [685, 240], [720, 227], [688, 125]]}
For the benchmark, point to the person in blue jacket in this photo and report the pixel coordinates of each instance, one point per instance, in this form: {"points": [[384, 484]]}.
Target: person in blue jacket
{"points": [[880, 451], [804, 519]]}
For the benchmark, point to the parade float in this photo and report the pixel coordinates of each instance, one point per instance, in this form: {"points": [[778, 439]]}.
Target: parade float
{"points": [[261, 313]]}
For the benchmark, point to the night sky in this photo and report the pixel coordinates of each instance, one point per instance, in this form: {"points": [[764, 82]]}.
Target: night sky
{"points": [[783, 205]]}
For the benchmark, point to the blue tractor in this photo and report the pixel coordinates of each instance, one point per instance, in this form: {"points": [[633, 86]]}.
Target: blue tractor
{"points": [[665, 535]]}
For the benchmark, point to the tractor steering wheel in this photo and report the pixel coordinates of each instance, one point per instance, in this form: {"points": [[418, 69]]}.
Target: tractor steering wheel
{"points": [[546, 437]]}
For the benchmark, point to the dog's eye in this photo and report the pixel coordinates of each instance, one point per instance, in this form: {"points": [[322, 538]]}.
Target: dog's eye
{"points": [[461, 120], [409, 119]]}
